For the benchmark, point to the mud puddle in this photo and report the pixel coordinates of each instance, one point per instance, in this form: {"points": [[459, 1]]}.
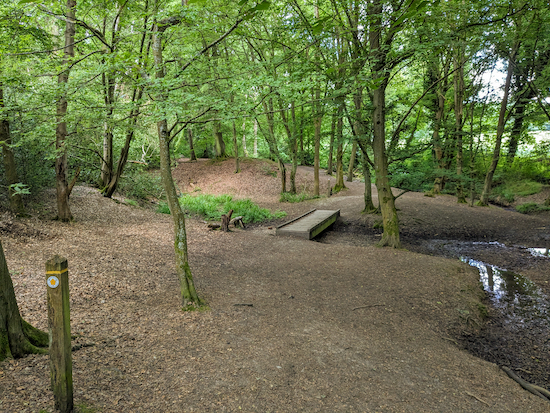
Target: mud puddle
{"points": [[517, 334]]}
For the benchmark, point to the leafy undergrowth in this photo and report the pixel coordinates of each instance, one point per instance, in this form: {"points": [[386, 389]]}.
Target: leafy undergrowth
{"points": [[531, 207], [293, 198], [212, 207], [511, 190]]}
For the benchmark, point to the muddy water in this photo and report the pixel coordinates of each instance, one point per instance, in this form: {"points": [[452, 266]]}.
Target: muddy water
{"points": [[518, 334]]}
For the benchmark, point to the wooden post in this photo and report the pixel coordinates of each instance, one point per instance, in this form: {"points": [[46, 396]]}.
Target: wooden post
{"points": [[59, 326]]}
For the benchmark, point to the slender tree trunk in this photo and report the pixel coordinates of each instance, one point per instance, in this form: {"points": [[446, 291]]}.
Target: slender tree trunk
{"points": [[390, 221], [255, 138], [62, 186], [187, 287], [107, 162], [358, 129], [16, 200], [438, 103], [237, 166], [17, 337], [459, 113], [192, 154], [272, 141], [330, 166], [294, 149], [137, 94], [369, 205], [484, 201], [245, 151], [317, 121], [352, 161], [291, 136]]}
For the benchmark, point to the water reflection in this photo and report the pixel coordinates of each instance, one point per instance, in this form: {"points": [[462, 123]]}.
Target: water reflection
{"points": [[539, 252], [515, 295]]}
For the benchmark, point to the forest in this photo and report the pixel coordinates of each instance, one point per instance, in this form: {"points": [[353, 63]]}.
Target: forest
{"points": [[427, 96]]}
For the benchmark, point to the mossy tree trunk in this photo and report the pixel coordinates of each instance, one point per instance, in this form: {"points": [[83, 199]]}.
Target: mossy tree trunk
{"points": [[17, 337], [390, 222], [188, 293]]}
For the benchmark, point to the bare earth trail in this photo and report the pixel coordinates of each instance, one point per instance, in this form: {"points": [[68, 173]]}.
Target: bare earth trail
{"points": [[294, 325]]}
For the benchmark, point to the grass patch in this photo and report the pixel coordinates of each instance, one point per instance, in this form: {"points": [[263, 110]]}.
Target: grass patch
{"points": [[513, 189], [531, 207], [212, 207], [294, 198]]}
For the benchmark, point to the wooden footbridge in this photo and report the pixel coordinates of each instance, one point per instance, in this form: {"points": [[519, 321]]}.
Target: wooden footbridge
{"points": [[310, 224]]}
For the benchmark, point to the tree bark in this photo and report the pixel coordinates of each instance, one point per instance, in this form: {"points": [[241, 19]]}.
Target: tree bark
{"points": [[16, 200], [219, 144], [17, 337], [192, 154], [459, 114], [390, 221], [62, 187], [317, 121], [352, 161], [187, 287], [484, 201], [237, 165], [272, 141]]}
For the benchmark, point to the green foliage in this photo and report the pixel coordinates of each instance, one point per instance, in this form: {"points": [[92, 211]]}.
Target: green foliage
{"points": [[212, 207], [531, 207], [139, 184], [513, 189], [294, 198]]}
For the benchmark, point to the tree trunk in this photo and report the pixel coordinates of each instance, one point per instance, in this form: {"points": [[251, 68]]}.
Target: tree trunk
{"points": [[459, 113], [63, 210], [439, 106], [519, 116], [219, 144], [107, 162], [16, 201], [237, 166], [17, 337], [137, 94], [272, 141], [187, 287], [352, 161], [291, 136], [192, 154], [317, 121], [330, 166], [294, 149], [369, 205], [245, 151], [255, 150], [484, 201], [390, 222]]}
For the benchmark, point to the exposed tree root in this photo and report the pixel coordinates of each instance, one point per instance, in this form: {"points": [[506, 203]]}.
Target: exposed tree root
{"points": [[536, 390]]}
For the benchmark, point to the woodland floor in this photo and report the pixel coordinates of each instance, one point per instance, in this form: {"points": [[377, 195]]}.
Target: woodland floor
{"points": [[336, 325]]}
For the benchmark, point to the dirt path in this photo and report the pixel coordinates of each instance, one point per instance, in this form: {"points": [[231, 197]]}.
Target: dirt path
{"points": [[333, 326]]}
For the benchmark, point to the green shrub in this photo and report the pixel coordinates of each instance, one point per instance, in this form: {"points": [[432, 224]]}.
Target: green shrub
{"points": [[212, 207], [513, 189], [140, 184], [531, 207], [294, 198]]}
